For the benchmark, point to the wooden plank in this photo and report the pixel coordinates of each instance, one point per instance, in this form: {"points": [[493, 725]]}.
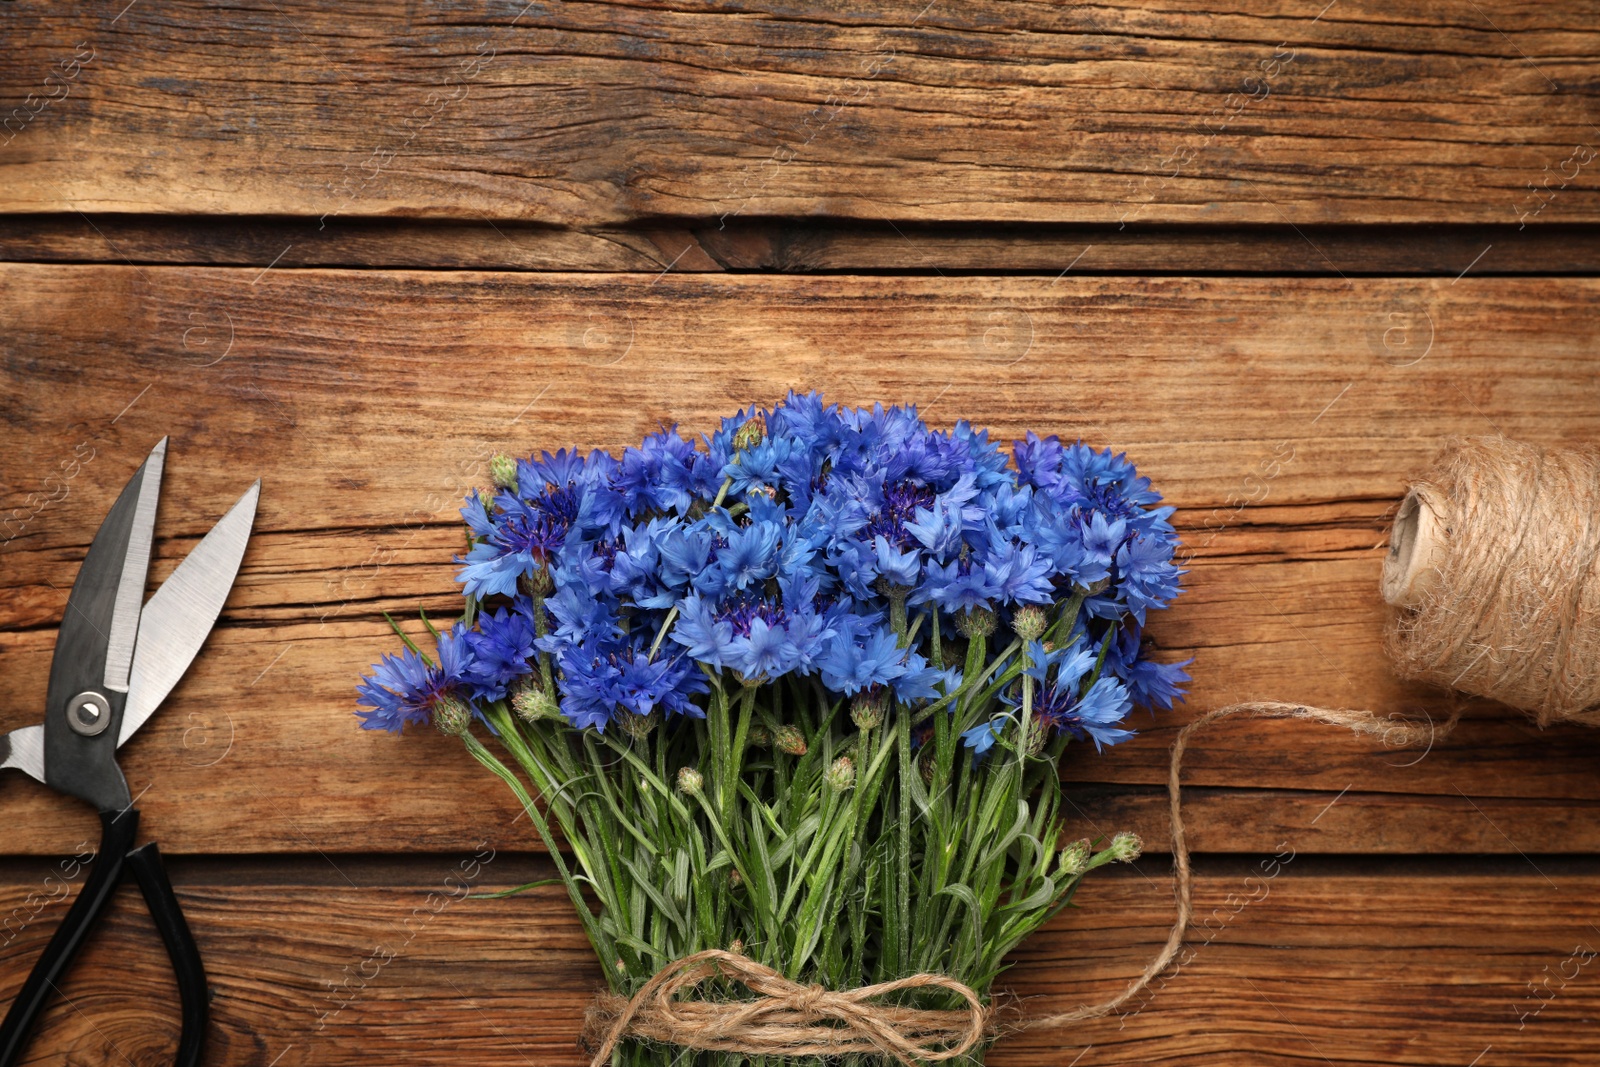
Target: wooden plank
{"points": [[802, 245], [1291, 960], [590, 114], [1269, 410]]}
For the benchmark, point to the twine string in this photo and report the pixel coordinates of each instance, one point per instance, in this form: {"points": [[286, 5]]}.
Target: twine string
{"points": [[787, 1018], [1393, 732]]}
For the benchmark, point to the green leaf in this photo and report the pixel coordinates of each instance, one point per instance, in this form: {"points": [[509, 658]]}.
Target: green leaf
{"points": [[401, 634], [523, 888]]}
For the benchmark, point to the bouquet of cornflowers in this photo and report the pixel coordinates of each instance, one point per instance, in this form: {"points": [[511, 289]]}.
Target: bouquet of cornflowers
{"points": [[799, 692]]}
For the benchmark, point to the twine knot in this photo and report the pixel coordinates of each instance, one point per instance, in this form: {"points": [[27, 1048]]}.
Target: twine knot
{"points": [[787, 1019], [807, 1000]]}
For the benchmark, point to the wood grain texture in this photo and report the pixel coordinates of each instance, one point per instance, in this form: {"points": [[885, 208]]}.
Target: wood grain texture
{"points": [[1275, 413], [359, 961], [594, 113]]}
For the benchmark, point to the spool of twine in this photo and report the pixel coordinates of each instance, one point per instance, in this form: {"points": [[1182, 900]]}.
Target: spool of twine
{"points": [[1492, 568]]}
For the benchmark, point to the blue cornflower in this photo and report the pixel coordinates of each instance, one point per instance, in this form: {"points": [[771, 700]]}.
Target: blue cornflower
{"points": [[751, 554], [502, 649], [654, 476], [579, 615], [644, 685], [1147, 576], [981, 738], [704, 636], [901, 568], [683, 551], [854, 661], [896, 504], [405, 688], [938, 527], [760, 467], [918, 680], [1057, 704], [803, 416], [765, 652], [600, 678], [1018, 574], [956, 586], [1150, 684], [525, 536], [1107, 702]]}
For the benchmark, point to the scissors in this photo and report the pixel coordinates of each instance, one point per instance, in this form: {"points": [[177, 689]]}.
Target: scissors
{"points": [[116, 659]]}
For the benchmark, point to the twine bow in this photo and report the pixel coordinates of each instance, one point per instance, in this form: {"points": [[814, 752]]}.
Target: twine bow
{"points": [[786, 1019]]}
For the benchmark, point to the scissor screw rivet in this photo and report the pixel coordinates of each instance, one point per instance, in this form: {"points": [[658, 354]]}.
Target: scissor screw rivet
{"points": [[88, 713]]}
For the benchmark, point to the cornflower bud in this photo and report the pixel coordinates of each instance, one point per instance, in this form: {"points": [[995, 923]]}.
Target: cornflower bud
{"points": [[1029, 622], [1038, 734], [451, 716], [1125, 847], [1075, 858], [752, 433], [636, 726], [789, 741], [690, 781], [759, 737], [531, 704], [736, 945], [841, 775], [537, 582], [503, 471], [866, 709], [735, 879], [979, 622]]}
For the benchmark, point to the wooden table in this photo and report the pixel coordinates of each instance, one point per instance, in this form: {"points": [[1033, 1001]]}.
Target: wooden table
{"points": [[1277, 252]]}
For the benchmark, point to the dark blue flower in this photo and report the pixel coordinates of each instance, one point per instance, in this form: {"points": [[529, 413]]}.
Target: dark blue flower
{"points": [[1150, 684], [902, 568], [764, 652], [502, 650], [957, 586], [855, 660], [1147, 577], [405, 688], [981, 738]]}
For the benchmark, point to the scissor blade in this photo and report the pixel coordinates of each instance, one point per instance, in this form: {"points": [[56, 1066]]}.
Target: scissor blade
{"points": [[175, 622], [23, 749], [101, 620], [135, 568]]}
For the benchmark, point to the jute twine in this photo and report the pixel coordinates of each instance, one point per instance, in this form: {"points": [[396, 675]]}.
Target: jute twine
{"points": [[1493, 566], [787, 1019], [1392, 732]]}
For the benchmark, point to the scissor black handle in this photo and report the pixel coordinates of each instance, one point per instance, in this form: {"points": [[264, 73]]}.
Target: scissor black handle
{"points": [[117, 833], [181, 949]]}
